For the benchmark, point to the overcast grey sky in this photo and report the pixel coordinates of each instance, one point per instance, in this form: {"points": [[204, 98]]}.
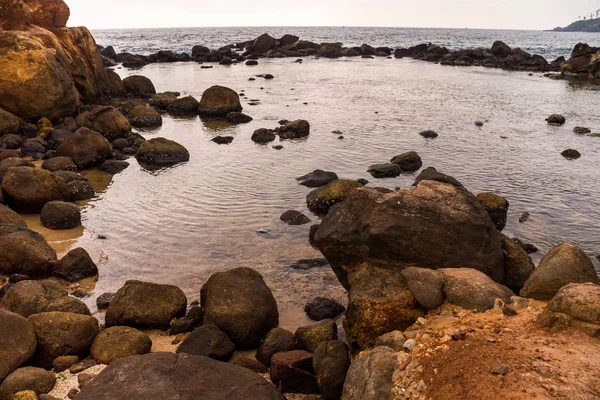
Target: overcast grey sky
{"points": [[507, 14]]}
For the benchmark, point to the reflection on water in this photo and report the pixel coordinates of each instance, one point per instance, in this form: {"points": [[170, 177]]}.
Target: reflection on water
{"points": [[184, 223]]}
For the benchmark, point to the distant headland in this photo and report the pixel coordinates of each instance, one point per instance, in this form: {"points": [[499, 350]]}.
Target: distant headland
{"points": [[587, 24]]}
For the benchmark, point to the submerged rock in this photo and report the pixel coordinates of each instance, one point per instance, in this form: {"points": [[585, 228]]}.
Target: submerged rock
{"points": [[162, 152], [429, 134], [385, 170], [317, 178], [238, 118], [571, 154], [292, 217], [294, 130]]}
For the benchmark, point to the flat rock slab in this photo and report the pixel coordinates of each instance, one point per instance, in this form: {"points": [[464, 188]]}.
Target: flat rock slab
{"points": [[168, 376]]}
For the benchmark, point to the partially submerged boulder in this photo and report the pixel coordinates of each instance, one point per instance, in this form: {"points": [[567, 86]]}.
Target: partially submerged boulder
{"points": [[75, 266], [146, 305], [162, 152], [144, 116], [240, 304], [86, 147], [496, 206], [321, 199], [317, 178], [294, 130], [106, 120], [433, 225], [218, 101], [564, 264], [139, 86]]}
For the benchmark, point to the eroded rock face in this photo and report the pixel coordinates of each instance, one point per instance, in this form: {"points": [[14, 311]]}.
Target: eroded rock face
{"points": [[434, 225], [564, 264], [177, 376], [49, 14]]}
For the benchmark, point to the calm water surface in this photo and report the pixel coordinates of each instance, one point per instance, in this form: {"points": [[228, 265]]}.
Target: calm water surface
{"points": [[182, 224]]}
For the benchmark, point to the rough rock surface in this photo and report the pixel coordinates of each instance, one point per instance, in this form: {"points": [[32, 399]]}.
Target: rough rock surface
{"points": [[240, 304], [330, 363], [118, 342], [433, 225], [27, 190], [17, 342], [208, 341], [31, 297], [37, 380], [311, 336], [162, 152], [276, 341], [8, 216], [472, 289], [564, 264], [219, 101], [86, 147], [168, 376], [60, 215], [76, 265], [426, 285], [24, 251], [370, 375], [146, 305], [321, 199]]}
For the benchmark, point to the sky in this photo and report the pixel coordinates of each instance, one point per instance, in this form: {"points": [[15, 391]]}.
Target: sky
{"points": [[496, 14]]}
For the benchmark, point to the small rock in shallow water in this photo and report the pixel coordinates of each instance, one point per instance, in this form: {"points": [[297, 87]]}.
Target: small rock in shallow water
{"points": [[389, 170], [321, 308], [222, 139], [278, 147], [478, 123], [571, 154], [556, 119], [308, 264], [292, 217], [429, 134], [581, 130], [524, 217]]}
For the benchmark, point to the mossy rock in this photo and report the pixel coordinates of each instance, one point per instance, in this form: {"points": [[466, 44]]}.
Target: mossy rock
{"points": [[162, 152], [320, 200]]}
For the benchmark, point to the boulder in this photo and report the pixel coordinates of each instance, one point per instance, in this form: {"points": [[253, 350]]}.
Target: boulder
{"points": [[500, 49], [115, 83], [25, 252], [330, 363], [208, 341], [321, 308], [556, 119], [37, 380], [311, 336], [238, 118], [9, 124], [262, 44], [199, 50], [517, 264], [162, 100], [431, 174], [378, 302], [370, 375], [27, 190], [10, 142], [320, 200], [293, 217], [59, 215], [146, 305], [394, 340], [317, 178], [564, 264], [292, 372], [277, 340], [63, 363], [114, 167], [218, 101], [144, 116], [408, 162], [8, 216], [472, 289], [58, 136], [35, 148], [294, 129], [263, 135], [222, 139], [240, 304], [17, 342], [179, 376], [184, 105], [388, 170], [139, 86], [426, 285], [496, 206], [77, 190], [433, 225], [12, 162], [62, 334], [118, 342], [86, 147], [75, 266], [31, 297], [162, 152], [106, 120], [59, 164], [68, 304]]}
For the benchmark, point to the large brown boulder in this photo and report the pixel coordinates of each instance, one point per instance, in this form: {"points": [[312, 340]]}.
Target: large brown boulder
{"points": [[219, 101], [17, 342], [433, 225], [105, 120], [262, 44], [8, 216], [86, 147], [115, 83], [31, 297], [144, 116], [240, 304], [146, 305], [37, 380], [23, 251], [161, 152], [378, 302], [177, 376], [9, 124], [118, 342], [50, 14], [139, 86], [11, 162], [564, 264], [27, 190], [62, 334]]}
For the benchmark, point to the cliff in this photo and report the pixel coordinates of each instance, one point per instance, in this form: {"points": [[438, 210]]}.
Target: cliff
{"points": [[47, 69], [590, 25]]}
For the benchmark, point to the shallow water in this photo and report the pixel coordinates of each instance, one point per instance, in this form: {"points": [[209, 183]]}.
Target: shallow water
{"points": [[145, 41], [180, 225]]}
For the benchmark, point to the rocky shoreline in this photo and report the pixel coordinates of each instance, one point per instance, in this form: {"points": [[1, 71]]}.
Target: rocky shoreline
{"points": [[427, 269]]}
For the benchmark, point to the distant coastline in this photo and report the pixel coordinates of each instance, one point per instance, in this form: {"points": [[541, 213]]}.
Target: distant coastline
{"points": [[584, 25]]}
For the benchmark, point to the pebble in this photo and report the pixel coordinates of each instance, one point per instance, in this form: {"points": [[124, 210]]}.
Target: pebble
{"points": [[72, 393], [499, 369], [491, 340], [459, 335], [82, 366], [409, 345]]}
